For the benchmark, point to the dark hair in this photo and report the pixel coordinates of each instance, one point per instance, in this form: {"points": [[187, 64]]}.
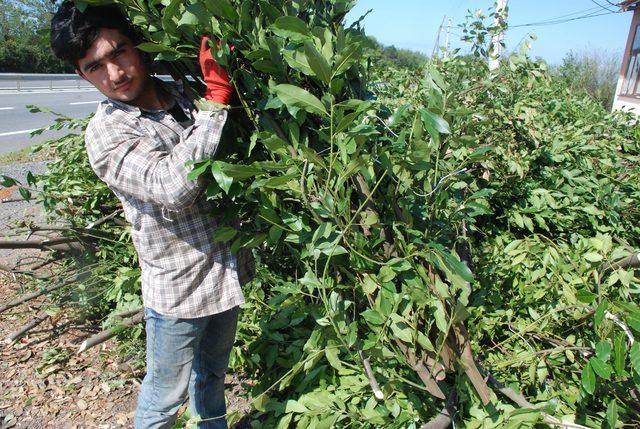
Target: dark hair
{"points": [[73, 31]]}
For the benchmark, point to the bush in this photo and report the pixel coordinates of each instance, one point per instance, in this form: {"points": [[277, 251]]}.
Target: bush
{"points": [[594, 73]]}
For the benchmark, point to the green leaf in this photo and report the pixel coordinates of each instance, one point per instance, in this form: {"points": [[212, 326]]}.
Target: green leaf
{"points": [[8, 182], [585, 296], [240, 171], [588, 379], [317, 62], [291, 27], [222, 179], [601, 368], [372, 316], [600, 311], [333, 356], [401, 329], [198, 170], [24, 193], [619, 354], [634, 356], [222, 9], [592, 257], [347, 58], [633, 320], [295, 407], [154, 47], [612, 414], [434, 123], [192, 15], [296, 97], [603, 350], [223, 234]]}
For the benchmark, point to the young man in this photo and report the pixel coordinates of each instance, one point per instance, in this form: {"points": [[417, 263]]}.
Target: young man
{"points": [[138, 142]]}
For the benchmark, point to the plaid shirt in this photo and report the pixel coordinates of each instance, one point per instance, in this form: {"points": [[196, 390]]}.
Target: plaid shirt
{"points": [[141, 156]]}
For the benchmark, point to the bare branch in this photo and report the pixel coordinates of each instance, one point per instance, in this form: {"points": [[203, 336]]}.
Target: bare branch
{"points": [[631, 261], [34, 295], [377, 393], [444, 419], [61, 244], [110, 333], [622, 325], [429, 382], [26, 328], [521, 401]]}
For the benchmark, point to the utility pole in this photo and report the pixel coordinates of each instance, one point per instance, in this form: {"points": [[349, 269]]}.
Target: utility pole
{"points": [[446, 42], [496, 40], [436, 45]]}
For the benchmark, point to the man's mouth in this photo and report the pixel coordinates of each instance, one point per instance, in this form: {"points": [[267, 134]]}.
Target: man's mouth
{"points": [[123, 85]]}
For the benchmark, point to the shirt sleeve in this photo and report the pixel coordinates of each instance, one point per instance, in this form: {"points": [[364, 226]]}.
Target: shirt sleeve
{"points": [[131, 162]]}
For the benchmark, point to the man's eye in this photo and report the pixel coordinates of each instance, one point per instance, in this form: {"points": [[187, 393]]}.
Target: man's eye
{"points": [[95, 67]]}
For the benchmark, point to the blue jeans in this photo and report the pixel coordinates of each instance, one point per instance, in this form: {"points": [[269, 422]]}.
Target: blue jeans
{"points": [[185, 355]]}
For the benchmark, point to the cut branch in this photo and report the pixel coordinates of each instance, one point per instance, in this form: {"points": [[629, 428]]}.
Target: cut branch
{"points": [[110, 333], [470, 368], [103, 220], [26, 328], [62, 244], [522, 402], [33, 295], [444, 419], [622, 325], [127, 313], [377, 393], [429, 382], [631, 261]]}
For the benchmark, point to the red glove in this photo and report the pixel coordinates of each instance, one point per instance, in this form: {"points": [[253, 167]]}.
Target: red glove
{"points": [[218, 87]]}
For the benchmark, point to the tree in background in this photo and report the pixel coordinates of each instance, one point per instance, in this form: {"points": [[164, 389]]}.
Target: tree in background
{"points": [[24, 37], [594, 72]]}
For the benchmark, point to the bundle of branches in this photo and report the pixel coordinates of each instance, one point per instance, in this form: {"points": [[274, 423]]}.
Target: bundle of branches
{"points": [[335, 206]]}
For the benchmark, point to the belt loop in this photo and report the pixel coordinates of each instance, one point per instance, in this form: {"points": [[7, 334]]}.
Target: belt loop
{"points": [[165, 214]]}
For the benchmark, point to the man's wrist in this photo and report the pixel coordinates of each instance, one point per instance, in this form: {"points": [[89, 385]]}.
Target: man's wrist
{"points": [[203, 104]]}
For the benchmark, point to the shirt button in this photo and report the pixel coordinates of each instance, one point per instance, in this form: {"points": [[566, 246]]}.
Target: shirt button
{"points": [[220, 117]]}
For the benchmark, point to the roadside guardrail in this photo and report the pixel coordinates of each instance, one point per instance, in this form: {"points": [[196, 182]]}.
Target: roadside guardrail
{"points": [[35, 81], [32, 81]]}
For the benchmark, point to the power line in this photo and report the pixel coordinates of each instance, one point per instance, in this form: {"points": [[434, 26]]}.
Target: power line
{"points": [[603, 7], [552, 22]]}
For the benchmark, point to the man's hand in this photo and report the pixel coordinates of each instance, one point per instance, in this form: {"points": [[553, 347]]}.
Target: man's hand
{"points": [[219, 89]]}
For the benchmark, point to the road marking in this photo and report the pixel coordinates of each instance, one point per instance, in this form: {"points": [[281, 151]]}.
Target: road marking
{"points": [[7, 108], [55, 91], [13, 133], [86, 102]]}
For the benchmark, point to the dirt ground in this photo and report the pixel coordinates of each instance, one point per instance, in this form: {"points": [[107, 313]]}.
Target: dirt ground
{"points": [[44, 383]]}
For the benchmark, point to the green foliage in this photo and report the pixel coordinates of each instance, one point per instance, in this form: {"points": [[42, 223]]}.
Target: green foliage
{"points": [[594, 73], [399, 58], [24, 38], [23, 56], [386, 218]]}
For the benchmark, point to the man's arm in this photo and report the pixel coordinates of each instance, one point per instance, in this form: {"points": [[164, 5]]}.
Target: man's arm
{"points": [[128, 160]]}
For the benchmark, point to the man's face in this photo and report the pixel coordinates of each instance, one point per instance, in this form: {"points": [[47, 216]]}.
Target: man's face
{"points": [[115, 67]]}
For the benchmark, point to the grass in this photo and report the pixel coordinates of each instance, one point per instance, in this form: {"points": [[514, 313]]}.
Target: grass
{"points": [[25, 155]]}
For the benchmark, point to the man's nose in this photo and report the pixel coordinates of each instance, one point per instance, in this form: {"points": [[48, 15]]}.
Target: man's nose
{"points": [[115, 72]]}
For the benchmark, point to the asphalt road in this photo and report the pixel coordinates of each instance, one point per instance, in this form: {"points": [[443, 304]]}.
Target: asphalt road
{"points": [[16, 122]]}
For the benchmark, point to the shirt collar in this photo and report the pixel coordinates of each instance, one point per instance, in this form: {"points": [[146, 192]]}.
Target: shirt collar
{"points": [[173, 88]]}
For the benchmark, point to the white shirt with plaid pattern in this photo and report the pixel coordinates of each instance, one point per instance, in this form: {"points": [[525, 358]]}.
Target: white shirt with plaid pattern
{"points": [[141, 156]]}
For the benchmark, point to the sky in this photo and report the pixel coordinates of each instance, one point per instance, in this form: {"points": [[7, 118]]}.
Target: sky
{"points": [[413, 24]]}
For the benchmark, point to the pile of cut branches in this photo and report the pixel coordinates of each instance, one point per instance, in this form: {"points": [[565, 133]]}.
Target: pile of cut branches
{"points": [[433, 247]]}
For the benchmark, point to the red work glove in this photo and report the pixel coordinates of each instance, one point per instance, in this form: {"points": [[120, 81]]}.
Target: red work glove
{"points": [[218, 87]]}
